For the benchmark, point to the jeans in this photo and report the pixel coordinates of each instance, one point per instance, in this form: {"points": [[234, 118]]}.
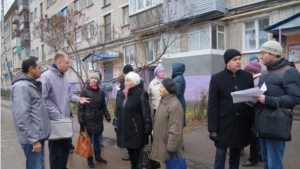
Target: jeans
{"points": [[272, 152], [33, 159], [95, 139], [59, 153], [234, 159]]}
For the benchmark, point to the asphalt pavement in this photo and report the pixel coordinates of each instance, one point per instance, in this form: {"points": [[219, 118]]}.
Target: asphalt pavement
{"points": [[199, 149]]}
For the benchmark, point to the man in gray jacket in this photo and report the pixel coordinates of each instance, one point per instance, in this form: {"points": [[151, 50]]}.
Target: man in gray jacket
{"points": [[30, 113], [57, 95]]}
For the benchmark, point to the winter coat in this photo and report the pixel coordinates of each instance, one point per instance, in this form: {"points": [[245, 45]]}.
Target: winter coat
{"points": [[283, 81], [177, 75], [167, 131], [57, 94], [29, 110], [256, 79], [154, 94], [230, 120], [133, 118], [91, 114]]}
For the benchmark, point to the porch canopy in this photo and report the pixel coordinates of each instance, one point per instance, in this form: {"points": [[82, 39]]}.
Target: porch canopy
{"points": [[100, 56], [287, 27]]}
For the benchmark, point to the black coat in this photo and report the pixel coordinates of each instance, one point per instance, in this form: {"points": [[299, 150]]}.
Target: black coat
{"points": [[91, 114], [133, 118], [230, 120]]}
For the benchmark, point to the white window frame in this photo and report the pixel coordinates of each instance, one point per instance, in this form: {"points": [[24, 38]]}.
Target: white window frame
{"points": [[78, 35], [155, 55], [91, 29], [105, 30], [106, 2], [37, 52], [217, 37], [198, 31], [124, 15], [172, 47], [145, 7], [256, 27], [131, 60], [64, 11]]}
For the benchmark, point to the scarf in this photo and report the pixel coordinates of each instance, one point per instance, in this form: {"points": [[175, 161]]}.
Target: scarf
{"points": [[158, 78], [125, 91], [94, 86]]}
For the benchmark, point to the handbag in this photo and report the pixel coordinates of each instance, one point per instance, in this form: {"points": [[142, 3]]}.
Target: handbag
{"points": [[61, 129], [145, 162], [273, 123], [178, 163], [83, 145]]}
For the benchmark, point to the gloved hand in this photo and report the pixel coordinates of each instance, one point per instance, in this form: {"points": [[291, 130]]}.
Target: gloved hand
{"points": [[214, 136], [108, 119], [82, 126]]}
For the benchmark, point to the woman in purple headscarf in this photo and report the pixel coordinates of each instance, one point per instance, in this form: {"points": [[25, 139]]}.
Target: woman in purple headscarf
{"points": [[154, 86]]}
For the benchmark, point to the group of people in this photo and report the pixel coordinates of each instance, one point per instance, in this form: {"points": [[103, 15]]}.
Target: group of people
{"points": [[37, 98], [230, 125]]}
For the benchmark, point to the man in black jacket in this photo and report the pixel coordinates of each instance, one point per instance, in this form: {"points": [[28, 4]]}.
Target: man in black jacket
{"points": [[228, 122], [283, 82]]}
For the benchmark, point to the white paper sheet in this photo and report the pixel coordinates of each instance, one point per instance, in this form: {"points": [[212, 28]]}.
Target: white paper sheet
{"points": [[246, 95]]}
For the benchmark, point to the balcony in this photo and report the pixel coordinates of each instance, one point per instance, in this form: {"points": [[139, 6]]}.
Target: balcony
{"points": [[23, 26], [15, 19], [17, 49], [23, 7], [15, 33], [17, 61], [203, 10], [25, 41], [25, 52], [148, 18], [17, 65], [16, 42]]}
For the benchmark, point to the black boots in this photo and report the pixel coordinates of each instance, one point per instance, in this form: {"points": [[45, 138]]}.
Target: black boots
{"points": [[98, 157], [90, 161]]}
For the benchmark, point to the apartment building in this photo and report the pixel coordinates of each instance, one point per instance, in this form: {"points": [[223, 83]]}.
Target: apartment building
{"points": [[253, 22], [8, 46]]}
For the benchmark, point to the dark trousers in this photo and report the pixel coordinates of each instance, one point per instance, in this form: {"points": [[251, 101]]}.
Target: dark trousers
{"points": [[59, 153], [254, 150], [134, 155], [234, 159]]}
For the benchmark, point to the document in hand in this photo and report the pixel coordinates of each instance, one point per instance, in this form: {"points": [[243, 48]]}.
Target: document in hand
{"points": [[246, 95]]}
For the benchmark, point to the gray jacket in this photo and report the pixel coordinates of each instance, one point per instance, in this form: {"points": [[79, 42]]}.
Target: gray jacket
{"points": [[57, 95], [29, 110]]}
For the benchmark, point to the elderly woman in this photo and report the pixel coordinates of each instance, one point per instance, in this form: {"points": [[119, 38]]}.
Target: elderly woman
{"points": [[91, 115], [133, 118], [167, 124], [154, 86]]}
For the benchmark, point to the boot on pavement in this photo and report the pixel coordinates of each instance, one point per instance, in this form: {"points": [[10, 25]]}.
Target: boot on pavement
{"points": [[98, 157], [90, 161]]}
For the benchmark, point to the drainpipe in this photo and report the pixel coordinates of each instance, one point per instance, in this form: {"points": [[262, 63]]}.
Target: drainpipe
{"points": [[296, 2]]}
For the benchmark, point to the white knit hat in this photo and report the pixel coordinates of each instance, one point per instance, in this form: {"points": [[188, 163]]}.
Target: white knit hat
{"points": [[94, 75], [134, 77], [272, 47]]}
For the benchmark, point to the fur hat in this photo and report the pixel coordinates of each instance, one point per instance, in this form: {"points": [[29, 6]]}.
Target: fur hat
{"points": [[170, 85], [94, 75], [127, 68], [134, 77], [272, 47], [229, 54], [253, 67]]}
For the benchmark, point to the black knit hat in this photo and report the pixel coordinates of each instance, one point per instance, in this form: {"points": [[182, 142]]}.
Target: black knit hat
{"points": [[127, 68], [170, 85], [229, 54]]}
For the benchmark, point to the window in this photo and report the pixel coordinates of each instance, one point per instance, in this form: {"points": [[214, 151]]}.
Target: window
{"points": [[254, 34], [90, 2], [125, 15], [199, 38], [82, 4], [217, 37], [76, 65], [92, 66], [41, 10], [64, 12], [107, 23], [78, 35], [31, 17], [129, 54], [34, 14], [106, 2], [140, 5], [153, 49], [174, 44], [32, 52], [37, 52], [90, 29], [7, 26], [108, 70]]}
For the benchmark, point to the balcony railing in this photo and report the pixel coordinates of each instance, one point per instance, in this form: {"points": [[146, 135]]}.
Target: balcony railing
{"points": [[16, 42], [15, 19], [24, 25], [17, 49], [145, 19], [15, 33], [22, 7]]}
